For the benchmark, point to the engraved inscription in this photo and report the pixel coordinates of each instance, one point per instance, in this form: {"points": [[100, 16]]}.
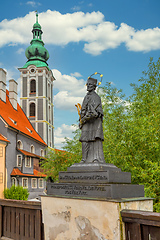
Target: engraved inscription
{"points": [[77, 189], [93, 177]]}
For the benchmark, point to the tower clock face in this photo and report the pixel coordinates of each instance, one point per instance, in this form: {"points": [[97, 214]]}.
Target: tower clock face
{"points": [[32, 70]]}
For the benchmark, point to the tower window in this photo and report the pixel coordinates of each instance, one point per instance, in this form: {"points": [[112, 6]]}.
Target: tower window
{"points": [[33, 86], [49, 114], [50, 144], [49, 93], [32, 110]]}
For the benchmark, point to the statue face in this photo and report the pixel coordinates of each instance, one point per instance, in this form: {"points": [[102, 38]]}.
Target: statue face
{"points": [[90, 87]]}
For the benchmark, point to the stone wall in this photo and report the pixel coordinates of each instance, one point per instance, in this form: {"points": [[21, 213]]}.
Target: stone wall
{"points": [[81, 219]]}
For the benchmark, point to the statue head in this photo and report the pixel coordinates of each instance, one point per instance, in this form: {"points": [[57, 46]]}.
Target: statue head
{"points": [[91, 84]]}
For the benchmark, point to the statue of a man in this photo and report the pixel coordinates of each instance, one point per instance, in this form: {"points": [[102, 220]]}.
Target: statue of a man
{"points": [[91, 117]]}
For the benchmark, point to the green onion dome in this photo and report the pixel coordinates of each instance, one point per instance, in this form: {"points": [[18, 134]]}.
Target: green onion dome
{"points": [[37, 51]]}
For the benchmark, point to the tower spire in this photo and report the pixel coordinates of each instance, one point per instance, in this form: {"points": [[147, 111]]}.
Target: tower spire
{"points": [[36, 53], [36, 16], [37, 32]]}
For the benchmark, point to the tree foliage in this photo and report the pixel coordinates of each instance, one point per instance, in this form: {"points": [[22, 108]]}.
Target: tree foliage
{"points": [[16, 192], [62, 159], [131, 132]]}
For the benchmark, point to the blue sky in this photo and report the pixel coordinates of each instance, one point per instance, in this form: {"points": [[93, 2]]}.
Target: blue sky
{"points": [[113, 37]]}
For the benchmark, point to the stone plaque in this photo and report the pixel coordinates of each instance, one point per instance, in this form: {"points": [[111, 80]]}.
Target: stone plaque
{"points": [[100, 191], [108, 176]]}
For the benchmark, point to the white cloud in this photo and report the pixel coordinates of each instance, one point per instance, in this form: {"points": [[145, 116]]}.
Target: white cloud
{"points": [[16, 31], [106, 36], [18, 89], [97, 34], [65, 101], [76, 74], [71, 91], [62, 132], [10, 75], [90, 5], [20, 50], [68, 27], [144, 40], [33, 3], [76, 8]]}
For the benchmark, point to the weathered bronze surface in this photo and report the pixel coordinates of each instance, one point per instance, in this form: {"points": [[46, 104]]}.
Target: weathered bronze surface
{"points": [[91, 117]]}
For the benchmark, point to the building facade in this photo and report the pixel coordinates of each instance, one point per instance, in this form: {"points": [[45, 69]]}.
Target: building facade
{"points": [[21, 147], [3, 143], [37, 87]]}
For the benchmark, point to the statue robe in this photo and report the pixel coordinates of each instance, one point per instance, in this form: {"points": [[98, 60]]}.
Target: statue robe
{"points": [[92, 131]]}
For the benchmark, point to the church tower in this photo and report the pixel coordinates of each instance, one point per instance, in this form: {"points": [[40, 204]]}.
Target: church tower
{"points": [[37, 87]]}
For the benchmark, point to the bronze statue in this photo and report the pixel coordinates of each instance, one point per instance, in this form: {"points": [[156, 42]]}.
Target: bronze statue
{"points": [[91, 117]]}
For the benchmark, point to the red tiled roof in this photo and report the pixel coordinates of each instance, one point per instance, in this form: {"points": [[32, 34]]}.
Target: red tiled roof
{"points": [[2, 138], [59, 150], [29, 154], [17, 119], [17, 172]]}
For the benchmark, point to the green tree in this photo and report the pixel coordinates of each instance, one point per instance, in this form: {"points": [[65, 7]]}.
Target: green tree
{"points": [[131, 129], [59, 160], [145, 121], [16, 192]]}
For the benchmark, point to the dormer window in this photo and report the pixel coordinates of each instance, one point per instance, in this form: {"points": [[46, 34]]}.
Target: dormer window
{"points": [[13, 121], [29, 130]]}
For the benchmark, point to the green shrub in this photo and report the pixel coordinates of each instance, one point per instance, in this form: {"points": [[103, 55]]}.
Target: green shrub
{"points": [[16, 192]]}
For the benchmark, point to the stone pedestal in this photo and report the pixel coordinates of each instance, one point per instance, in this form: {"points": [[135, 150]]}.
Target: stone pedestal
{"points": [[95, 180], [82, 219], [86, 203]]}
